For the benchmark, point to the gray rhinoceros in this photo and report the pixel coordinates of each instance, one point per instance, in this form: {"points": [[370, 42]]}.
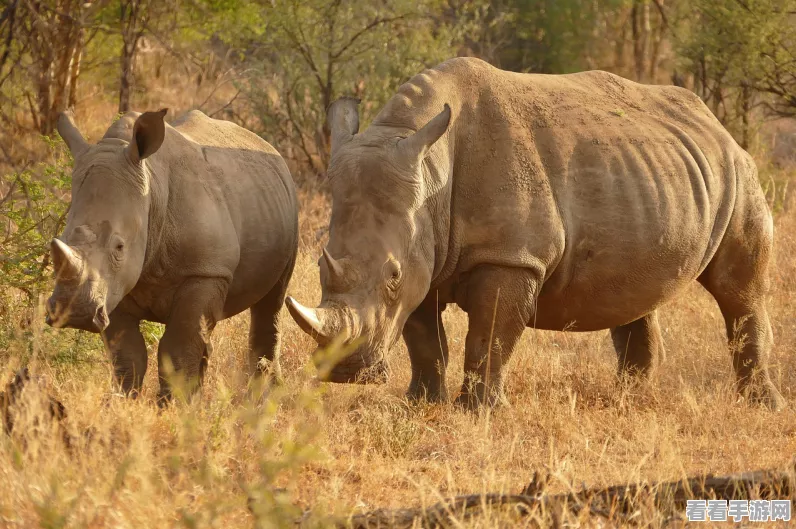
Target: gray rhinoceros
{"points": [[183, 224], [566, 202]]}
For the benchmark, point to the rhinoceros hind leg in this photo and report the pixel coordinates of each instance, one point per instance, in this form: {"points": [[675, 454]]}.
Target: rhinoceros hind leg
{"points": [[425, 339], [264, 336], [499, 303], [750, 339], [638, 345], [127, 349], [737, 279]]}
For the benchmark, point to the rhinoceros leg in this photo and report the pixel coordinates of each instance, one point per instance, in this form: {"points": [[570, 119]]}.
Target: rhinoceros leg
{"points": [[127, 350], [638, 345], [425, 339], [737, 279], [184, 349], [499, 303], [264, 340], [750, 339]]}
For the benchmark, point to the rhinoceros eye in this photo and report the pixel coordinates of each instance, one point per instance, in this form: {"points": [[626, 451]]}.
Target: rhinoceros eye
{"points": [[394, 275], [117, 247]]}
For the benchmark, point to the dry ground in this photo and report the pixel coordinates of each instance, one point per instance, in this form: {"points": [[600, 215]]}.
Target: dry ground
{"points": [[142, 468], [337, 449]]}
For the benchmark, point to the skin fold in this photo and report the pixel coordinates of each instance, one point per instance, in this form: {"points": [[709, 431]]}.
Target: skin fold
{"points": [[184, 224], [573, 202]]}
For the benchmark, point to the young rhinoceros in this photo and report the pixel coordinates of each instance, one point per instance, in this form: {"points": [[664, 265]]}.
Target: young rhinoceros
{"points": [[185, 225]]}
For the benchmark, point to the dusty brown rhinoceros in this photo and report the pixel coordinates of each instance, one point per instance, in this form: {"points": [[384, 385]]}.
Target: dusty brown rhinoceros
{"points": [[183, 224], [566, 202]]}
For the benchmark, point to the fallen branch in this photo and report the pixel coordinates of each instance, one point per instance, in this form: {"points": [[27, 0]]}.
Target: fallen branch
{"points": [[12, 398], [610, 502]]}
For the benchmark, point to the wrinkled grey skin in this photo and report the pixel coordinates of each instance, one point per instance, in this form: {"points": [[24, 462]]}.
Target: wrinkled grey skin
{"points": [[183, 224], [567, 202]]}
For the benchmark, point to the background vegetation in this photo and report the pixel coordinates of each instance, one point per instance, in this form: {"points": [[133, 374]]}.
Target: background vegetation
{"points": [[273, 66]]}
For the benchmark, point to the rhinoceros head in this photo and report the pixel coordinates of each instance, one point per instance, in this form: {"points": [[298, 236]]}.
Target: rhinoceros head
{"points": [[99, 257], [378, 264]]}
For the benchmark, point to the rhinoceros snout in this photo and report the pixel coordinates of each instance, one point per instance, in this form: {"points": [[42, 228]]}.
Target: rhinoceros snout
{"points": [[100, 320], [49, 317], [85, 319]]}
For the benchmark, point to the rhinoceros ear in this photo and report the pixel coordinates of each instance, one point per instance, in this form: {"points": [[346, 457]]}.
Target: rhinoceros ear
{"points": [[417, 145], [148, 133], [72, 137], [343, 120]]}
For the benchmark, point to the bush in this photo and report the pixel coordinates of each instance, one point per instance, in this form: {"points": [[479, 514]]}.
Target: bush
{"points": [[33, 208]]}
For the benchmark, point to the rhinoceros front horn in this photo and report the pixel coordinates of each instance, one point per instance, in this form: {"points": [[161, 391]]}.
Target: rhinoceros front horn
{"points": [[67, 263], [312, 321]]}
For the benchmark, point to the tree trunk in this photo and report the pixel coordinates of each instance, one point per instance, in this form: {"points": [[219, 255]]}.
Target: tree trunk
{"points": [[74, 68], [54, 44], [641, 32], [129, 19], [656, 47], [44, 82], [746, 110], [718, 96], [126, 79], [41, 50], [67, 38], [620, 45]]}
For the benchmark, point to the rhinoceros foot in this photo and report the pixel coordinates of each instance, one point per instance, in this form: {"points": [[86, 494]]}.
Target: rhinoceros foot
{"points": [[419, 392], [475, 396], [764, 393]]}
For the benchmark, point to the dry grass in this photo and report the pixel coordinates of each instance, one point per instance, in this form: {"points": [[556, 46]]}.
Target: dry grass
{"points": [[566, 414], [337, 449]]}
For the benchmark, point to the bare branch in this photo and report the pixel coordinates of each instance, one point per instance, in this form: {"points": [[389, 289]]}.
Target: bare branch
{"points": [[662, 12], [227, 105], [374, 24]]}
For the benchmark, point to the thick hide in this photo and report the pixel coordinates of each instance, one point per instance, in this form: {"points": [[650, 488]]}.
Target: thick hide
{"points": [[573, 202], [183, 224]]}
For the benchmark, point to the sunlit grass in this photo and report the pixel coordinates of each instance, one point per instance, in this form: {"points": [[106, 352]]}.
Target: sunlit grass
{"points": [[309, 450], [306, 450]]}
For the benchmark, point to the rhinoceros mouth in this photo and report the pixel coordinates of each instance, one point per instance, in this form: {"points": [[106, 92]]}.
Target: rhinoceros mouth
{"points": [[357, 373], [94, 321]]}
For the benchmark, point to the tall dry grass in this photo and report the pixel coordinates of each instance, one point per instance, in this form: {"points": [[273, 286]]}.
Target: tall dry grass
{"points": [[341, 448], [314, 450]]}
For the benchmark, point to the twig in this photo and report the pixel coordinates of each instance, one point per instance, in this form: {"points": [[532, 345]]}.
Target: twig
{"points": [[227, 105]]}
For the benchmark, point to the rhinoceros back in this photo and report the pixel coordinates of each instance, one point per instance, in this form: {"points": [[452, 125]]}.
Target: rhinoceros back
{"points": [[232, 210], [619, 192]]}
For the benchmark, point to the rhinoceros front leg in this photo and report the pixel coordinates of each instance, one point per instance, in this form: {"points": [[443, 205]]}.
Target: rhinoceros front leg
{"points": [[425, 339], [499, 303], [185, 347], [127, 351], [638, 345]]}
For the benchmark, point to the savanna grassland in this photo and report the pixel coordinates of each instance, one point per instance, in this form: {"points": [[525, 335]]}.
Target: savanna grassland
{"points": [[338, 448], [309, 451]]}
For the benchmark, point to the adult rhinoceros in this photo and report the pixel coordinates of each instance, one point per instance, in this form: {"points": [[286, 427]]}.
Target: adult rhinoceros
{"points": [[578, 202], [184, 225]]}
